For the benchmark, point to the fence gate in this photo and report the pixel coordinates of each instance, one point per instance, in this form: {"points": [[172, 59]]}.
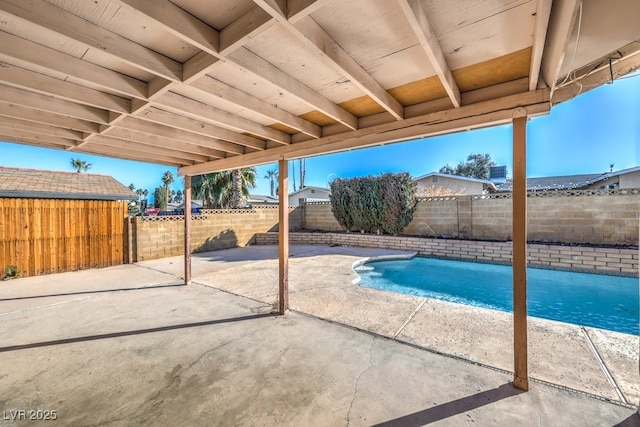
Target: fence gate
{"points": [[42, 236]]}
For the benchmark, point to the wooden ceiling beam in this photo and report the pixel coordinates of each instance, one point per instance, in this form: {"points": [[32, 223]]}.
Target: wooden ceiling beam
{"points": [[43, 84], [121, 153], [153, 140], [272, 74], [18, 135], [145, 146], [188, 107], [46, 118], [48, 103], [559, 30], [22, 50], [50, 17], [482, 114], [179, 23], [543, 14], [327, 50], [242, 30], [41, 129], [193, 31], [164, 131], [156, 115], [299, 9], [237, 97], [37, 142], [419, 22]]}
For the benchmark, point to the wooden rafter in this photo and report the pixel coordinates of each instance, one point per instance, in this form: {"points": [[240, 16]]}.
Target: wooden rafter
{"points": [[327, 50], [543, 13], [560, 27], [419, 22], [493, 112]]}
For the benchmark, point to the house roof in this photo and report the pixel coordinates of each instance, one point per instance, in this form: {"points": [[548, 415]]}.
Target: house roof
{"points": [[566, 182], [43, 184], [260, 198], [309, 187], [486, 182], [208, 86]]}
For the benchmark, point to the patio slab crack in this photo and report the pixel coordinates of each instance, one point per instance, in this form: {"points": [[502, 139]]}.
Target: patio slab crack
{"points": [[355, 391]]}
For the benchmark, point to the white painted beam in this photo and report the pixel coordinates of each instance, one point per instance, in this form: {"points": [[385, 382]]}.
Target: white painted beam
{"points": [[543, 13], [561, 23], [419, 22]]}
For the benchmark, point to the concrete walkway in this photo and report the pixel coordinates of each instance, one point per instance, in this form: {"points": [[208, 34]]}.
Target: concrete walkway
{"points": [[129, 346]]}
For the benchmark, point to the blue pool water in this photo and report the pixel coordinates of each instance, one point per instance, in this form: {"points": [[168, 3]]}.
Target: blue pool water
{"points": [[607, 302]]}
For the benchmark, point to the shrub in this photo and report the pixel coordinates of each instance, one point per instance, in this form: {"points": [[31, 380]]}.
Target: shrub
{"points": [[381, 204]]}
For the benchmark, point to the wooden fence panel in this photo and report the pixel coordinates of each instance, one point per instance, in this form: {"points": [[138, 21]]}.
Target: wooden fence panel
{"points": [[42, 236]]}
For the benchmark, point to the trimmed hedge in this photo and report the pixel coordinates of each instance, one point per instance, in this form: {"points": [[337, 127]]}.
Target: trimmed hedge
{"points": [[374, 204]]}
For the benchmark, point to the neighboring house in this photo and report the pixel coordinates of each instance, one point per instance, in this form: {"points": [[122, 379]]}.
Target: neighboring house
{"points": [[625, 178], [43, 184], [441, 184], [261, 200], [312, 194], [195, 204]]}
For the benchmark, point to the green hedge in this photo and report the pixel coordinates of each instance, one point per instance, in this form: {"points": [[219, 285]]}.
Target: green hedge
{"points": [[374, 204]]}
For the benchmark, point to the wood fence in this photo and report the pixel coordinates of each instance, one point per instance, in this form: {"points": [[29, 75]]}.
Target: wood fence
{"points": [[42, 236]]}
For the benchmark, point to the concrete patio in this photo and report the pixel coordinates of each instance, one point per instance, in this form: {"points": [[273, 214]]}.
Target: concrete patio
{"points": [[129, 345]]}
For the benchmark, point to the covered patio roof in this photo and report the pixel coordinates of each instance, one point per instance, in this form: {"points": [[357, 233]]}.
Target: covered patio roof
{"points": [[216, 85], [219, 84]]}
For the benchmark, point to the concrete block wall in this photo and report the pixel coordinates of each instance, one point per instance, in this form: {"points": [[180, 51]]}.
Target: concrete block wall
{"points": [[160, 237], [439, 218], [570, 218], [318, 216], [623, 262]]}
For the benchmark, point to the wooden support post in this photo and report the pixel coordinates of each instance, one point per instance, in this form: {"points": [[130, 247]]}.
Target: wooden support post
{"points": [[521, 379], [283, 236], [187, 230]]}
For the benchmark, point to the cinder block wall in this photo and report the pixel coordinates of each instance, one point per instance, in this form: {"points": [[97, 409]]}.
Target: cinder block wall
{"points": [[161, 237], [623, 262], [570, 218]]}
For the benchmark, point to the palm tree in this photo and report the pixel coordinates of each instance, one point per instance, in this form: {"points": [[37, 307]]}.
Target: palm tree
{"points": [[272, 176], [217, 189], [80, 165], [167, 180], [131, 187]]}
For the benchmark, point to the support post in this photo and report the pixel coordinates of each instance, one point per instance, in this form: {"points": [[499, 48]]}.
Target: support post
{"points": [[519, 223], [283, 236], [187, 230]]}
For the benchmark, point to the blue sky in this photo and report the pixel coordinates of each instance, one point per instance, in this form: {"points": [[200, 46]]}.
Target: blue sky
{"points": [[584, 135]]}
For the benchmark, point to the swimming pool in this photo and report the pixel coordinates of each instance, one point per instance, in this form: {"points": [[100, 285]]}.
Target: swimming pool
{"points": [[607, 302]]}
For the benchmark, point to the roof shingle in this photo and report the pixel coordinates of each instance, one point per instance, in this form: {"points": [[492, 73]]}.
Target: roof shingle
{"points": [[43, 184]]}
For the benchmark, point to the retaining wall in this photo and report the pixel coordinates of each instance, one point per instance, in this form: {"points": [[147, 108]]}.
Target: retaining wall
{"points": [[616, 261]]}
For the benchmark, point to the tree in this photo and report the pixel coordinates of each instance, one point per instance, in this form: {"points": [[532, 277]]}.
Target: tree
{"points": [[178, 197], [167, 180], [217, 189], [272, 176], [476, 166], [131, 187], [160, 198], [80, 165]]}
